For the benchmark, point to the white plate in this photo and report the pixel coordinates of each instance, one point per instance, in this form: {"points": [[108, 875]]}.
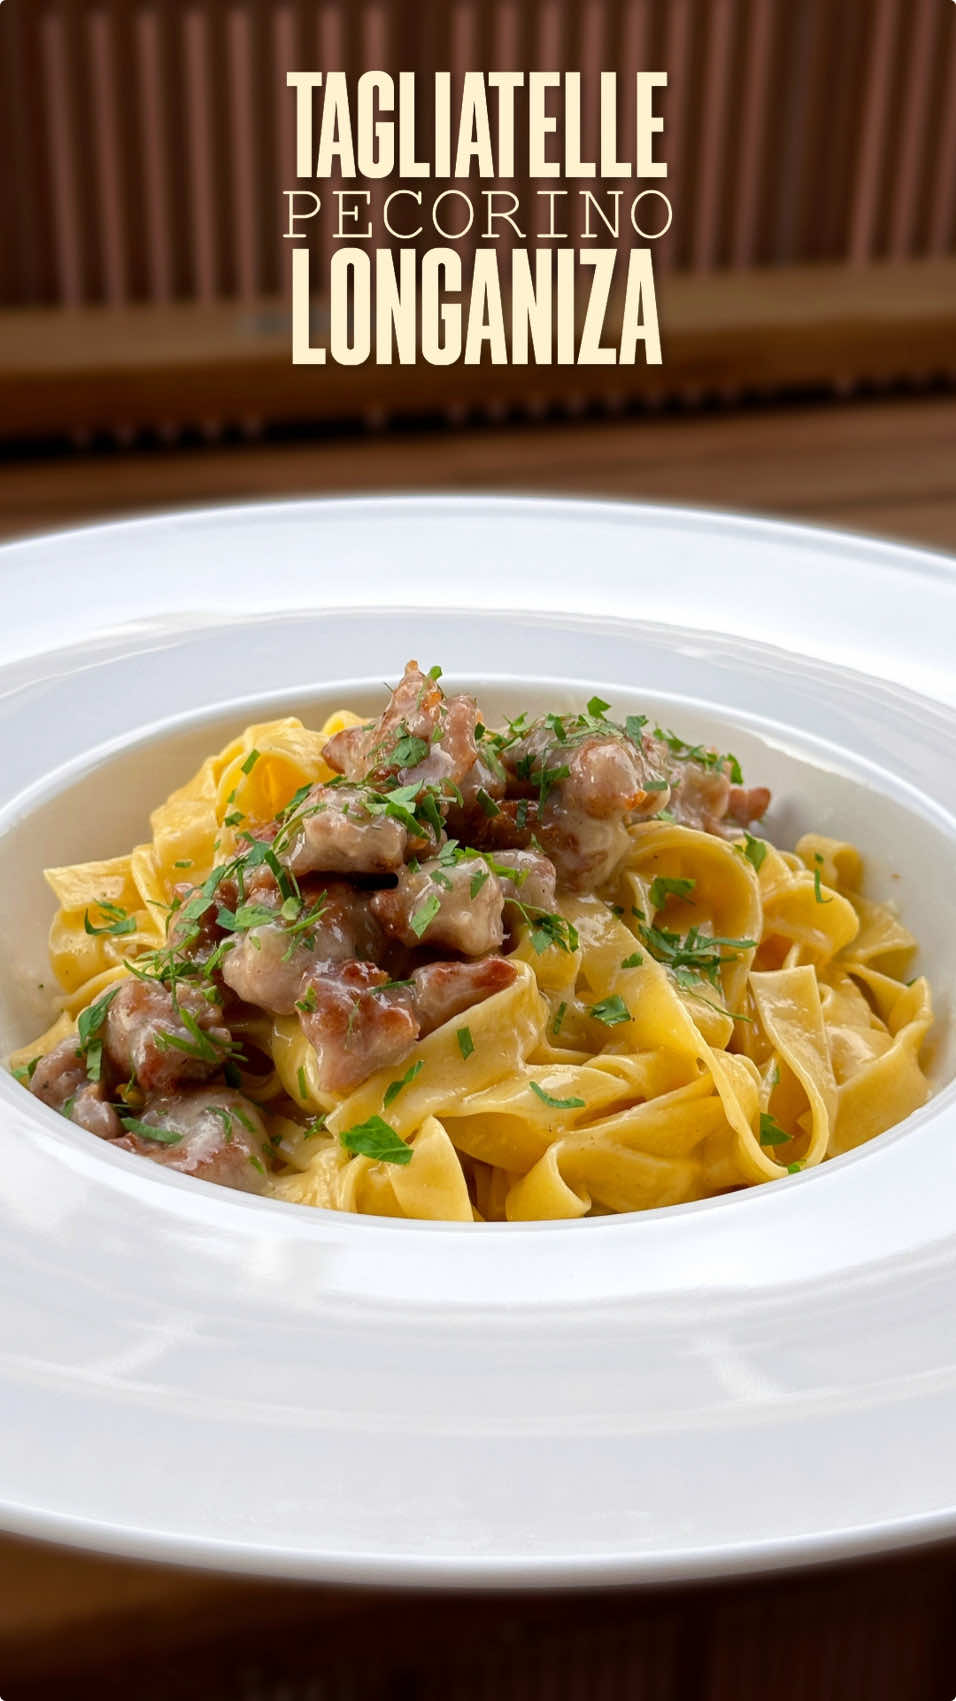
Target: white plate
{"points": [[757, 1381]]}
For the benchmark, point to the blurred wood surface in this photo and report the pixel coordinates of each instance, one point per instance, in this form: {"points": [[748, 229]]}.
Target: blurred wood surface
{"points": [[878, 465], [89, 1627], [124, 369]]}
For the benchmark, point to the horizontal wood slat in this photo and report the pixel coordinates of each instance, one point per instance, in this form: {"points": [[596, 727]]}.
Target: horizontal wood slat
{"points": [[724, 335]]}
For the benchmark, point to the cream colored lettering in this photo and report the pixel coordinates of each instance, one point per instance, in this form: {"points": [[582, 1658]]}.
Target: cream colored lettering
{"points": [[531, 307], [291, 195], [486, 320], [474, 131], [492, 212], [346, 211], [402, 235], [336, 147], [639, 321], [441, 320], [350, 326], [304, 83], [592, 352], [376, 136], [395, 307], [303, 351], [649, 123]]}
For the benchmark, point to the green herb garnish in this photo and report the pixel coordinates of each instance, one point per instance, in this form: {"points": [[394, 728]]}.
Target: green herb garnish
{"points": [[487, 803], [88, 1032], [771, 1133], [702, 953], [422, 918], [395, 1087], [611, 1011], [377, 1139], [755, 850], [466, 1044], [119, 921], [817, 888], [150, 1131], [555, 1104], [663, 888], [409, 751]]}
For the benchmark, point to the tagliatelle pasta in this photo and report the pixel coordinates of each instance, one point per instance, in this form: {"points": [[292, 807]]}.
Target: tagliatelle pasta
{"points": [[692, 1010]]}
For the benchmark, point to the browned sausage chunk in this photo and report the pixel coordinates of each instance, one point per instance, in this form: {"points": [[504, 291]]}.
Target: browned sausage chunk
{"points": [[354, 1026], [161, 1039], [458, 906], [212, 1133], [60, 1080]]}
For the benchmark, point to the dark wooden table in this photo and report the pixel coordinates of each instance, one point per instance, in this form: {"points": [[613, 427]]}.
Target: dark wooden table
{"points": [[882, 1631]]}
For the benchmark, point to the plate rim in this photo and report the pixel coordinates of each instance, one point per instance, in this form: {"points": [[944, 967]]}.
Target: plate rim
{"points": [[445, 1572]]}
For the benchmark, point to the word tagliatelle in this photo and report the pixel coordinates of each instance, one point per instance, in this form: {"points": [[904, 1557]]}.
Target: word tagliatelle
{"points": [[417, 967]]}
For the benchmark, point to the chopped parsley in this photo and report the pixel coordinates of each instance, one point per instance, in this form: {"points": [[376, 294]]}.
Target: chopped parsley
{"points": [[225, 1118], [197, 1042], [817, 887], [421, 919], [684, 752], [118, 922], [611, 1011], [634, 961], [250, 761], [755, 850], [88, 1031], [663, 887], [548, 778], [395, 1087], [376, 1139], [487, 803], [150, 1131], [771, 1133], [302, 1084], [297, 798], [548, 929], [598, 708], [409, 751], [559, 1016], [466, 1044], [700, 953], [553, 1103]]}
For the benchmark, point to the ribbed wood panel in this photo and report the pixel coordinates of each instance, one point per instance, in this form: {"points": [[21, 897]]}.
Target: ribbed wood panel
{"points": [[147, 142]]}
